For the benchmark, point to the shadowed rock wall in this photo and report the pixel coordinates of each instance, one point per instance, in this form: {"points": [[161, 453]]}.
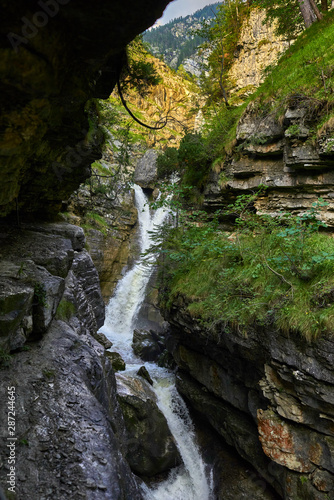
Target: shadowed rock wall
{"points": [[54, 57]]}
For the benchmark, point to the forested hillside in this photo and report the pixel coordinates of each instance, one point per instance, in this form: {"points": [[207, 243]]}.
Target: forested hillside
{"points": [[177, 41]]}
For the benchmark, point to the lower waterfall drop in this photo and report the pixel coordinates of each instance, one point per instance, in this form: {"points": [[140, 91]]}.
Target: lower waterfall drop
{"points": [[189, 481]]}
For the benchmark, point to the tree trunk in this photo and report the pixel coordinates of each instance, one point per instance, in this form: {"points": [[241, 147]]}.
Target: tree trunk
{"points": [[307, 12], [332, 6], [316, 10], [324, 5]]}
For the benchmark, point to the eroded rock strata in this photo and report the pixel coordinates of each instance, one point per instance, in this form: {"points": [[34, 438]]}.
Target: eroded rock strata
{"points": [[268, 394], [278, 149]]}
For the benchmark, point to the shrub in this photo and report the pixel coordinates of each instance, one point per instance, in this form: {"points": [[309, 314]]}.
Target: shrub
{"points": [[167, 163]]}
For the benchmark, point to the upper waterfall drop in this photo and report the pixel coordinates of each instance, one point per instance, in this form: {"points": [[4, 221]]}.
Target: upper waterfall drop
{"points": [[130, 291]]}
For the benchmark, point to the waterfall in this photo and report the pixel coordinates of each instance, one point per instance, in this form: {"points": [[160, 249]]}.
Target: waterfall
{"points": [[189, 481], [130, 291]]}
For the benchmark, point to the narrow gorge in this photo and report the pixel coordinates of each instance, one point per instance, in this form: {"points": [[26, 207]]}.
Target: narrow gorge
{"points": [[166, 296]]}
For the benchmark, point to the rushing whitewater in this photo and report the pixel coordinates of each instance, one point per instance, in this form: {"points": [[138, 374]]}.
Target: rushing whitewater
{"points": [[189, 481], [130, 291]]}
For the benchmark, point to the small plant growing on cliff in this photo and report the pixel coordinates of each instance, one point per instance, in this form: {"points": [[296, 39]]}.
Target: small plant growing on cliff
{"points": [[40, 294], [293, 130], [65, 310], [5, 358]]}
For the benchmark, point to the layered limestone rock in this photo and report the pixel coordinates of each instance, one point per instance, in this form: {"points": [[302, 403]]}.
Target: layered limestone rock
{"points": [[55, 56], [70, 434], [283, 154], [268, 394], [258, 47], [110, 238]]}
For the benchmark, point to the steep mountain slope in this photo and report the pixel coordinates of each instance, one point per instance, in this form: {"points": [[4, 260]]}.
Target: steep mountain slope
{"points": [[175, 42]]}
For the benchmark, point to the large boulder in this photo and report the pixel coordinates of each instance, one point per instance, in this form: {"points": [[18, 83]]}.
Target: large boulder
{"points": [[151, 446], [146, 171], [148, 345]]}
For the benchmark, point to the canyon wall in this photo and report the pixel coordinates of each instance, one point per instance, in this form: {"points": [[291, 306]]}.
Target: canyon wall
{"points": [[69, 428], [278, 149], [258, 47], [269, 395]]}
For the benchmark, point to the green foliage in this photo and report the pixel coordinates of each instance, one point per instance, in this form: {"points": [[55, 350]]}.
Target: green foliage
{"points": [[48, 374], [5, 358], [97, 221], [167, 162], [274, 272], [293, 130], [221, 38], [40, 294], [286, 15], [194, 159], [139, 74], [289, 21], [220, 129], [303, 69]]}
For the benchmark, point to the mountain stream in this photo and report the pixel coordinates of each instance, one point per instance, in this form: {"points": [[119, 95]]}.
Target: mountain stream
{"points": [[192, 480]]}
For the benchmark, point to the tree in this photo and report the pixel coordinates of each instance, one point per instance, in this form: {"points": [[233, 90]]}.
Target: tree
{"points": [[307, 12], [221, 38], [324, 5], [290, 15]]}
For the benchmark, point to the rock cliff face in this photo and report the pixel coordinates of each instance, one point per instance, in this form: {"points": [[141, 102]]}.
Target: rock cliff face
{"points": [[70, 431], [282, 153], [174, 98], [268, 394], [258, 47], [55, 56], [110, 237]]}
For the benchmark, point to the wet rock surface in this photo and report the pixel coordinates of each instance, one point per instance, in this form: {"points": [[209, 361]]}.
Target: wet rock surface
{"points": [[110, 246], [148, 345], [116, 361], [233, 478], [151, 446], [70, 431]]}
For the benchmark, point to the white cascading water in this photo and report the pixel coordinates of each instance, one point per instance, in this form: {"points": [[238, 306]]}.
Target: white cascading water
{"points": [[130, 291], [189, 481]]}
